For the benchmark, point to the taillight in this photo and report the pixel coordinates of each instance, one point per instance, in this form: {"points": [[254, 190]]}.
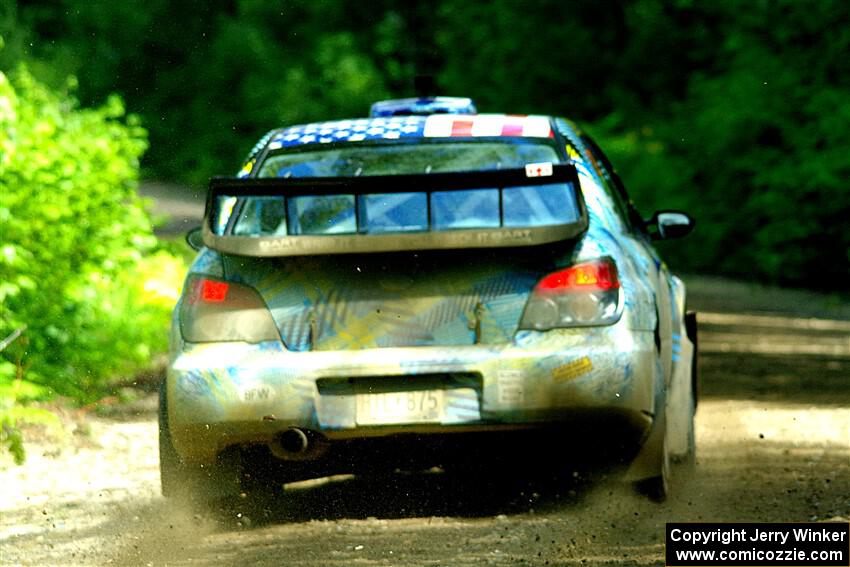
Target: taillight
{"points": [[212, 291], [598, 275], [214, 310], [581, 295]]}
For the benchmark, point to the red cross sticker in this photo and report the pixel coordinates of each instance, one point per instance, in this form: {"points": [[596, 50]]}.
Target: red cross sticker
{"points": [[538, 169]]}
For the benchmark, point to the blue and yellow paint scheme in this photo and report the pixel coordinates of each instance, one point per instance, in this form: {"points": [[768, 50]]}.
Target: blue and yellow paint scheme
{"points": [[439, 320]]}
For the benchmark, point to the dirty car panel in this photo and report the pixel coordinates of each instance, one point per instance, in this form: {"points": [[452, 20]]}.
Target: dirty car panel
{"points": [[373, 305]]}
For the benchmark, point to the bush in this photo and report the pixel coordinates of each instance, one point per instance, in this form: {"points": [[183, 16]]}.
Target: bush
{"points": [[758, 151], [77, 266]]}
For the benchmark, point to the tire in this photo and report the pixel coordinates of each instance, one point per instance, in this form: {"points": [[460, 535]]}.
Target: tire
{"points": [[196, 484], [657, 488], [689, 460], [172, 471], [691, 328]]}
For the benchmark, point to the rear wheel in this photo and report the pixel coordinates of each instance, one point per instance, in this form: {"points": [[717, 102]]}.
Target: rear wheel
{"points": [[179, 480], [692, 331], [172, 471], [689, 458]]}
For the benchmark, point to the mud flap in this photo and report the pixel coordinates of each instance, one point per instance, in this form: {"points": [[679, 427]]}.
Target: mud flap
{"points": [[691, 330], [195, 482], [649, 462]]}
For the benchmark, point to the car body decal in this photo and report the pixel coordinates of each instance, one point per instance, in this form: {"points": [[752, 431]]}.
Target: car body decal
{"points": [[397, 127]]}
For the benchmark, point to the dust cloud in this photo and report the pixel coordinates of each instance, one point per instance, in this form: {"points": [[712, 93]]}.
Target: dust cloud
{"points": [[773, 437]]}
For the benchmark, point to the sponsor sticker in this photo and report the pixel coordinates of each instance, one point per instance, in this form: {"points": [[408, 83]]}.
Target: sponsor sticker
{"points": [[572, 370], [256, 394], [511, 390], [572, 153], [246, 169], [539, 169]]}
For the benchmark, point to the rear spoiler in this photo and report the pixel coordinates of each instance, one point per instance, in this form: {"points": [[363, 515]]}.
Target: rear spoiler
{"points": [[361, 242]]}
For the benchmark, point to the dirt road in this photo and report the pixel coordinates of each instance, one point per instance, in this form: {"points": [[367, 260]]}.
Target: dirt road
{"points": [[773, 431]]}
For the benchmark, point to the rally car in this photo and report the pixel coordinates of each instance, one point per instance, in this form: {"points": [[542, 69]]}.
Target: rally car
{"points": [[424, 287]]}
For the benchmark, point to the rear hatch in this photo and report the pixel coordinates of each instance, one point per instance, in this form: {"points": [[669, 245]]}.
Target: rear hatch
{"points": [[443, 259], [350, 302]]}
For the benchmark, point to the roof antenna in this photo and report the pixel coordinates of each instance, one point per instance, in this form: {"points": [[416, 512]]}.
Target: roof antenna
{"points": [[424, 86]]}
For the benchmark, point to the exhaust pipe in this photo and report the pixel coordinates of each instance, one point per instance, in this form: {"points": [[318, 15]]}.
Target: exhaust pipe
{"points": [[293, 441]]}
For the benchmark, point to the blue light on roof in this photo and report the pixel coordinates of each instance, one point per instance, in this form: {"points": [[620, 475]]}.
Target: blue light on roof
{"points": [[423, 106]]}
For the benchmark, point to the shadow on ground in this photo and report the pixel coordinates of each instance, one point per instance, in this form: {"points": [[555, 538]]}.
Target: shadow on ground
{"points": [[425, 494], [814, 380]]}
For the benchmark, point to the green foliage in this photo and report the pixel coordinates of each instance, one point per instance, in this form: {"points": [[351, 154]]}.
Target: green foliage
{"points": [[76, 261], [539, 57], [758, 151], [13, 416], [210, 81], [697, 101]]}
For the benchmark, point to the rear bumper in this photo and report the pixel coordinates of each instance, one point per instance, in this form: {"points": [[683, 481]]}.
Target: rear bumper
{"points": [[226, 394]]}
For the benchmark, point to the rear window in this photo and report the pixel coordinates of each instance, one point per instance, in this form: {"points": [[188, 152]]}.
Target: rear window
{"points": [[509, 207], [381, 213], [408, 158]]}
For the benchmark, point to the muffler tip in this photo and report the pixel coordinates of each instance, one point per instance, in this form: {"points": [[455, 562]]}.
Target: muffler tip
{"points": [[294, 441]]}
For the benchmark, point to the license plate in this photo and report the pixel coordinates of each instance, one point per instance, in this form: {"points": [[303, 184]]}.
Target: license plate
{"points": [[424, 406]]}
